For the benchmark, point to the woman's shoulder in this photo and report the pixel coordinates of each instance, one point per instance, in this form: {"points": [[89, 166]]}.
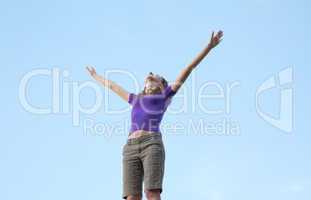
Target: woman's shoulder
{"points": [[169, 92]]}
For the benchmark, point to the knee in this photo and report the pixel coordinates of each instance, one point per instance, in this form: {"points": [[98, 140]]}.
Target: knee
{"points": [[153, 194], [133, 197]]}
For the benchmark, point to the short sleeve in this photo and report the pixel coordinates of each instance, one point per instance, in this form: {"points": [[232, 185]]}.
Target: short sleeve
{"points": [[169, 92], [131, 98]]}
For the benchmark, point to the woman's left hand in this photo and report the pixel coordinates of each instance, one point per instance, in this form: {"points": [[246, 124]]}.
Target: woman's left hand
{"points": [[215, 39]]}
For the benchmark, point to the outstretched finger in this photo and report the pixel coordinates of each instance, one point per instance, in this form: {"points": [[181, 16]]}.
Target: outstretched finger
{"points": [[91, 70], [220, 34], [212, 36], [88, 69]]}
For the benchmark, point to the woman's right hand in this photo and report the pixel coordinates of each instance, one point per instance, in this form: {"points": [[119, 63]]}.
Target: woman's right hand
{"points": [[107, 83], [91, 70]]}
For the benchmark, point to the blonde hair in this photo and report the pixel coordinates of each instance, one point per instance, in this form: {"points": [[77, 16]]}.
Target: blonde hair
{"points": [[164, 83]]}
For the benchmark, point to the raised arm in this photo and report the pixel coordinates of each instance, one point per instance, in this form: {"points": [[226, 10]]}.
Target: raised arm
{"points": [[214, 41], [108, 83]]}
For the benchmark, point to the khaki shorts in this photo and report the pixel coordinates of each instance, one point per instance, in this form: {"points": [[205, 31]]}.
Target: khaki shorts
{"points": [[143, 162]]}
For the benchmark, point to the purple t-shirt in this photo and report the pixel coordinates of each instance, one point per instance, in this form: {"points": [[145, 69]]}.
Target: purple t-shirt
{"points": [[148, 110]]}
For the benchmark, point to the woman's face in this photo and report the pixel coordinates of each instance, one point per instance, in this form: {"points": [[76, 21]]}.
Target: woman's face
{"points": [[153, 84]]}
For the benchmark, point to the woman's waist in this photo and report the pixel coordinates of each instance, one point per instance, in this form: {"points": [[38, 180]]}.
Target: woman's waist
{"points": [[140, 133], [146, 138], [143, 127]]}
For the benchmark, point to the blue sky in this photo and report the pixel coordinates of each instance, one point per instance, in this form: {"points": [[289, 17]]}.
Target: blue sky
{"points": [[47, 157]]}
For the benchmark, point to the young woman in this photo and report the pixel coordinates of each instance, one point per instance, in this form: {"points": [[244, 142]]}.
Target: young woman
{"points": [[144, 153]]}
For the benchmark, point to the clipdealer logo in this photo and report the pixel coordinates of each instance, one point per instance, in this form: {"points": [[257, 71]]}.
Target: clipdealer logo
{"points": [[283, 82], [65, 96]]}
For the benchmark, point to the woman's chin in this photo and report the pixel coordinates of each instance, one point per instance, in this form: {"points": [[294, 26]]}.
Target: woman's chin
{"points": [[153, 91]]}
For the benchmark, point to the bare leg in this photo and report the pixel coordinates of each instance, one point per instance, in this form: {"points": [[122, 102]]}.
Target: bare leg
{"points": [[153, 194], [133, 197]]}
